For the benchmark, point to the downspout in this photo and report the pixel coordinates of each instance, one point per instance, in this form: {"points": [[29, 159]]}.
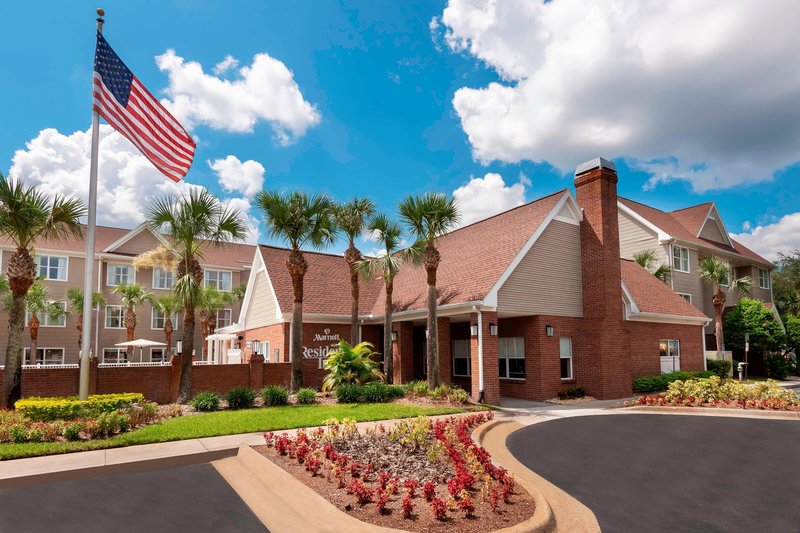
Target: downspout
{"points": [[703, 345], [480, 353], [97, 311]]}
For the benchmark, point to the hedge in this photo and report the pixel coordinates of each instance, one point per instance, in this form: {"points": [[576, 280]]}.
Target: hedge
{"points": [[662, 381], [45, 409]]}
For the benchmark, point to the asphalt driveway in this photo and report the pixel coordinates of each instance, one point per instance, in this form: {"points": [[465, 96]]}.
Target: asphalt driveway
{"points": [[186, 498], [659, 473]]}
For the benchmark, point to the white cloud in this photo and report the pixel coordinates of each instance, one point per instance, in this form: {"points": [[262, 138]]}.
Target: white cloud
{"points": [[263, 91], [225, 65], [769, 239], [483, 197], [245, 178], [672, 86], [243, 206]]}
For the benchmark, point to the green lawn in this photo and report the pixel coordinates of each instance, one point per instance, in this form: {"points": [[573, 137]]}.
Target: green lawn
{"points": [[230, 423]]}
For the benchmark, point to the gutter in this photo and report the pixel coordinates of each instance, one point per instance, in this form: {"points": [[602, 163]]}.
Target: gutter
{"points": [[480, 353]]}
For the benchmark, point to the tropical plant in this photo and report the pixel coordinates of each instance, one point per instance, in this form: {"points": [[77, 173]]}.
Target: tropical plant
{"points": [[131, 296], [168, 306], [429, 217], [351, 218], [388, 234], [752, 317], [28, 215], [786, 283], [718, 273], [351, 364], [37, 303], [211, 300], [649, 260], [75, 305], [298, 219], [237, 293], [187, 222]]}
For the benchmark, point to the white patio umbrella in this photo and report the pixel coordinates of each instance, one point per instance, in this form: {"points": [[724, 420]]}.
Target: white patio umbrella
{"points": [[141, 344]]}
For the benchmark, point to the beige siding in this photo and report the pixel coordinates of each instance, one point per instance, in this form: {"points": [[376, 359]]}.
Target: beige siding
{"points": [[548, 279], [142, 242], [757, 292], [634, 237], [712, 232], [262, 311], [690, 283]]}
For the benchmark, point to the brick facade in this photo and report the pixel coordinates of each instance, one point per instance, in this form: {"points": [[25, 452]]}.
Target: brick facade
{"points": [[645, 358]]}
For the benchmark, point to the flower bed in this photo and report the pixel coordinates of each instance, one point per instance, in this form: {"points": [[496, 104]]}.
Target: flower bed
{"points": [[726, 393], [418, 475]]}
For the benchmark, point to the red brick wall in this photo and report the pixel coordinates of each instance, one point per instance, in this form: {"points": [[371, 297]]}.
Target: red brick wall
{"points": [[645, 359], [277, 374], [278, 337], [49, 382], [403, 353], [445, 349], [491, 373], [219, 378], [459, 331], [152, 381]]}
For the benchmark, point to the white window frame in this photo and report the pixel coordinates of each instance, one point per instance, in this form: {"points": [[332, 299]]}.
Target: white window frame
{"points": [[163, 349], [119, 351], [503, 344], [684, 296], [766, 285], [678, 250], [672, 344], [26, 352], [155, 277], [731, 274], [131, 274], [230, 318], [44, 319], [468, 357], [121, 317], [47, 277], [154, 312], [561, 356], [216, 283]]}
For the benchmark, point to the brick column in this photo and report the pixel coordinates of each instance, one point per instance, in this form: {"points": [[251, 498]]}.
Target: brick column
{"points": [[445, 349], [256, 371], [175, 377], [403, 352], [491, 372]]}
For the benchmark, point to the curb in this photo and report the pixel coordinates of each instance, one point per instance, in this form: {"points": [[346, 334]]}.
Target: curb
{"points": [[712, 411]]}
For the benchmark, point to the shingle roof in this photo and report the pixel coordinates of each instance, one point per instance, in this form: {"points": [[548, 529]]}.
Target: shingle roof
{"points": [[652, 295]]}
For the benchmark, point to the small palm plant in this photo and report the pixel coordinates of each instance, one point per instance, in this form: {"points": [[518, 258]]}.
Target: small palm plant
{"points": [[648, 259], [168, 306], [130, 297], [37, 304], [717, 273], [351, 364], [211, 300], [75, 305]]}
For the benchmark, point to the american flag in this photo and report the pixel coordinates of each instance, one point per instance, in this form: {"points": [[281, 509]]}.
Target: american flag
{"points": [[121, 99]]}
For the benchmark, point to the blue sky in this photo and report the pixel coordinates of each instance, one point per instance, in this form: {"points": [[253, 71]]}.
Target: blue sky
{"points": [[383, 84]]}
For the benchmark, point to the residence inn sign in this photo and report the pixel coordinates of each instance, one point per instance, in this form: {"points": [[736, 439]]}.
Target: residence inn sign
{"points": [[327, 343]]}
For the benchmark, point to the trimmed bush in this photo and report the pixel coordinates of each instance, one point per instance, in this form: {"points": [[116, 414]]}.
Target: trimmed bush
{"points": [[206, 401], [275, 395], [46, 409], [661, 382], [416, 388], [375, 392], [395, 391], [348, 393], [719, 367], [778, 366], [241, 398], [306, 396], [714, 389], [572, 392]]}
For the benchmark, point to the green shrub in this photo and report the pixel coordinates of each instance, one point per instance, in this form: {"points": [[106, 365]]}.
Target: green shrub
{"points": [[395, 391], [661, 382], [719, 367], [306, 396], [240, 398], [458, 395], [778, 366], [72, 430], [348, 393], [45, 409], [275, 395], [572, 392], [351, 364], [713, 388], [376, 392], [416, 388], [206, 401]]}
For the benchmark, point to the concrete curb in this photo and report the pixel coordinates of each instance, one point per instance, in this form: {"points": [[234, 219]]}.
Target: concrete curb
{"points": [[711, 411], [555, 509]]}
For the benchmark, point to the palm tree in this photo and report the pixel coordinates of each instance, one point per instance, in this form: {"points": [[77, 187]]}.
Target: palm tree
{"points": [[298, 219], [237, 293], [186, 222], [387, 265], [27, 215], [428, 217], [717, 273], [167, 306], [75, 305], [648, 259], [211, 300], [351, 217], [131, 296], [36, 304]]}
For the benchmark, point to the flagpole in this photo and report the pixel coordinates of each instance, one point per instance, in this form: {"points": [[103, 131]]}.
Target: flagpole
{"points": [[88, 272]]}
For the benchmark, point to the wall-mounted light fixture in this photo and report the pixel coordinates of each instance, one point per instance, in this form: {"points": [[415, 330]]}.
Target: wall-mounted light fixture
{"points": [[473, 330], [179, 347], [550, 330], [493, 329], [394, 336]]}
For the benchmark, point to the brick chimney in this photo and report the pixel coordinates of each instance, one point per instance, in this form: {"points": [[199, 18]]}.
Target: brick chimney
{"points": [[606, 343]]}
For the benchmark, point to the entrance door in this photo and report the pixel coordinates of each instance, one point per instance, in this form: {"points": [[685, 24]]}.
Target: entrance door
{"points": [[670, 352], [419, 345]]}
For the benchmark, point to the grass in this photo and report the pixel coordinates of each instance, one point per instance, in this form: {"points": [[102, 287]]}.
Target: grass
{"points": [[229, 423]]}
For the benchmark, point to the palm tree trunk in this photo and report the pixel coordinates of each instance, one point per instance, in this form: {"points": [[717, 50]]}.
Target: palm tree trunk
{"points": [[185, 390], [12, 375], [33, 327], [168, 329], [204, 331], [431, 259], [353, 256], [79, 327], [130, 326], [388, 356], [297, 267], [718, 329]]}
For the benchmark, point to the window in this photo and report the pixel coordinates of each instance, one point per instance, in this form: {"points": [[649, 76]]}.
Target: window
{"points": [[680, 259], [461, 358], [565, 353], [115, 317], [512, 357], [220, 279], [115, 355], [163, 279], [45, 356], [51, 267], [46, 321], [119, 275], [685, 296], [669, 347], [223, 318], [726, 280], [157, 320], [763, 278], [158, 355]]}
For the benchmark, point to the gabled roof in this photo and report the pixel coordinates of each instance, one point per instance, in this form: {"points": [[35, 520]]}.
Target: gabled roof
{"points": [[652, 296], [141, 228]]}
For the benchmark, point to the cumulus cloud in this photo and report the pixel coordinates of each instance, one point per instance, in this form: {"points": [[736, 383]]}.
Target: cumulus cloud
{"points": [[225, 65], [263, 91], [245, 178], [243, 206], [483, 197], [769, 239], [670, 86]]}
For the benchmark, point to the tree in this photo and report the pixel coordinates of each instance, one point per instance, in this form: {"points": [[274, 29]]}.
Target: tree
{"points": [[649, 260], [792, 325], [187, 222], [27, 215], [752, 316], [428, 217], [351, 218], [298, 219], [130, 297], [167, 306], [37, 304], [717, 273], [786, 283], [75, 305], [388, 234], [211, 300]]}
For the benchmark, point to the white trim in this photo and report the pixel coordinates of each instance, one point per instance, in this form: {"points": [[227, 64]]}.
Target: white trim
{"points": [[27, 349], [688, 259], [468, 357], [412, 314], [37, 254], [218, 271], [118, 349], [682, 294], [769, 279], [121, 318], [258, 265], [153, 279], [661, 234], [115, 264], [230, 310], [571, 359], [130, 235], [626, 295], [164, 348], [175, 319], [719, 222], [43, 324], [668, 319]]}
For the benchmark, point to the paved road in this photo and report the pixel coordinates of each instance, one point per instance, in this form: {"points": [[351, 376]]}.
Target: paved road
{"points": [[658, 473], [188, 498]]}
